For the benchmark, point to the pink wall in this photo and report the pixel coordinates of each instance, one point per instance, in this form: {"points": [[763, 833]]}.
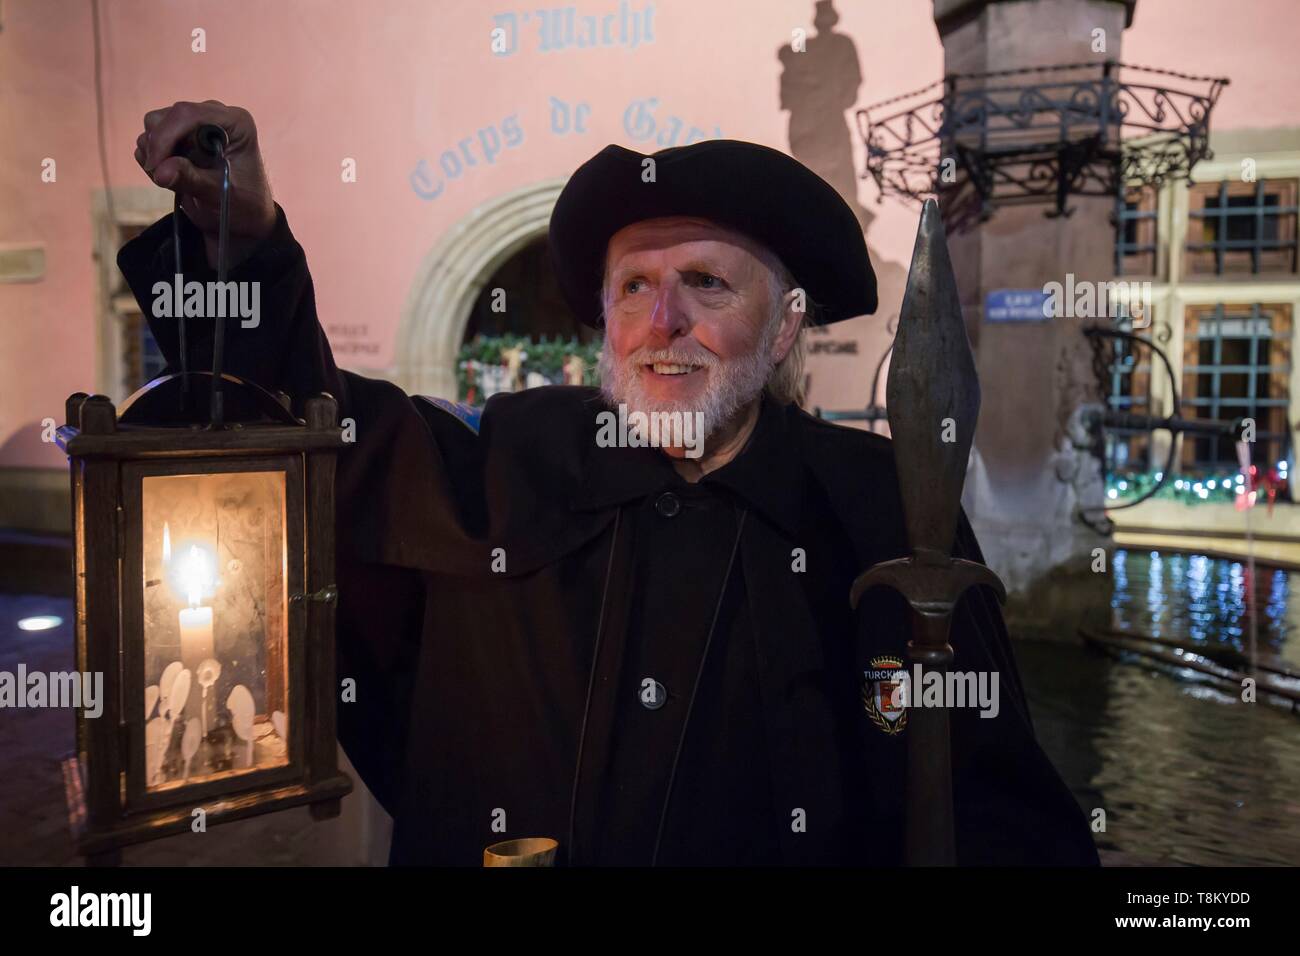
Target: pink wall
{"points": [[388, 83], [1252, 42]]}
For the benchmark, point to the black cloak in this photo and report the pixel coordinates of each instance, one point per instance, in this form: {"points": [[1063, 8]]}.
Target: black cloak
{"points": [[499, 591]]}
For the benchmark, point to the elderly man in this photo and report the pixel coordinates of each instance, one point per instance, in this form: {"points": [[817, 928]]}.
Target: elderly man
{"points": [[646, 653]]}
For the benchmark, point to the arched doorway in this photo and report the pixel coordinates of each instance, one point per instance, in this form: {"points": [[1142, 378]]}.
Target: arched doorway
{"points": [[521, 332], [453, 276], [534, 304]]}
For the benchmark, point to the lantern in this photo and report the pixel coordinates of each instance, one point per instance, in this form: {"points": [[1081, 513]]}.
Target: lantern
{"points": [[204, 561]]}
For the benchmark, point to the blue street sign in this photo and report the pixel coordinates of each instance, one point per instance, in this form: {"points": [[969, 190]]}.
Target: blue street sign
{"points": [[1015, 305]]}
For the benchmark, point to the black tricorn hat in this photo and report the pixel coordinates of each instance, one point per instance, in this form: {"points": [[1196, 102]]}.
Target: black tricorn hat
{"points": [[752, 189]]}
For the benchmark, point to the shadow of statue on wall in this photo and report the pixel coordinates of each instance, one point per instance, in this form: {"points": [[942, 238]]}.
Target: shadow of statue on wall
{"points": [[817, 86]]}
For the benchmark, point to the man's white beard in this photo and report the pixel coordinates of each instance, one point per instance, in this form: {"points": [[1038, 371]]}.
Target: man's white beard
{"points": [[729, 386]]}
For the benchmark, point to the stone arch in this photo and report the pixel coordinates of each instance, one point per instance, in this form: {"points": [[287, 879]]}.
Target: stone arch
{"points": [[452, 275]]}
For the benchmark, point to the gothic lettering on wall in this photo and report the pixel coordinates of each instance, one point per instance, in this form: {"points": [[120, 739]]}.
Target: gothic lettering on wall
{"points": [[430, 178], [640, 124], [559, 29]]}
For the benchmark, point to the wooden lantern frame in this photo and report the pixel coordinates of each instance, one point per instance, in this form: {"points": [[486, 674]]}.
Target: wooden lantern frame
{"points": [[109, 805]]}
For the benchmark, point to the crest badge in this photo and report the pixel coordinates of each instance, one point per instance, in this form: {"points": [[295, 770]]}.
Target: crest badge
{"points": [[880, 684]]}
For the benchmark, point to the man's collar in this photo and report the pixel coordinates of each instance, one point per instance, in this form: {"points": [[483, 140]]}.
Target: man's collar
{"points": [[612, 475], [767, 473]]}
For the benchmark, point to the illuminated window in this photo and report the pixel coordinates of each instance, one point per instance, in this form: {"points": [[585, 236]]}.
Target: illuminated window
{"points": [[1236, 364], [1236, 228]]}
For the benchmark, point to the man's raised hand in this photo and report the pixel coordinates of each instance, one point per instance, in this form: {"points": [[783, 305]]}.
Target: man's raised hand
{"points": [[252, 210]]}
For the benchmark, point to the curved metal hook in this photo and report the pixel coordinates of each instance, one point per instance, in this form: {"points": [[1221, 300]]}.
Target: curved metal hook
{"points": [[1174, 437]]}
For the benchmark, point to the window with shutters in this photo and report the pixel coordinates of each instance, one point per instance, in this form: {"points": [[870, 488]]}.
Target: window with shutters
{"points": [[128, 355]]}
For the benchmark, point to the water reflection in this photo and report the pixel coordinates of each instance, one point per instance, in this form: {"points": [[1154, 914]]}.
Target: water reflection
{"points": [[1204, 601], [1186, 772]]}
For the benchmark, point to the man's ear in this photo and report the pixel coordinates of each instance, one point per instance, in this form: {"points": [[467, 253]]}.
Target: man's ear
{"points": [[791, 324]]}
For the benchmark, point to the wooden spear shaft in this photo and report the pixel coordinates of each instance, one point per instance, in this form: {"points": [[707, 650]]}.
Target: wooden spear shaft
{"points": [[933, 397]]}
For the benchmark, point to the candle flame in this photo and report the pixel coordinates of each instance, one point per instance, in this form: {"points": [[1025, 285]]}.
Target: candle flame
{"points": [[195, 575], [167, 544]]}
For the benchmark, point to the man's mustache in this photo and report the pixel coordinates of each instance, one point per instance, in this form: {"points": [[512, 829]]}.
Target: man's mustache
{"points": [[671, 357]]}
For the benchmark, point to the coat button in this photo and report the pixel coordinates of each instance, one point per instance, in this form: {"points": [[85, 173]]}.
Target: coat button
{"points": [[653, 694], [668, 504]]}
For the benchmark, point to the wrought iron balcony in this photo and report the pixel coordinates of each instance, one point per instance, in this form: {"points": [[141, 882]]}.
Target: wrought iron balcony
{"points": [[1037, 135]]}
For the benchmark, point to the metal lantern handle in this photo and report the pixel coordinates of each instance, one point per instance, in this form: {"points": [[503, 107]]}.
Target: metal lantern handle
{"points": [[206, 147]]}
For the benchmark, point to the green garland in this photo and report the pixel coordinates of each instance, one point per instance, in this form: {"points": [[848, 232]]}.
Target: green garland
{"points": [[545, 356], [1221, 486]]}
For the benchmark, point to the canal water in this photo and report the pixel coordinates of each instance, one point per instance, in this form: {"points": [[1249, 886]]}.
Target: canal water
{"points": [[1186, 773]]}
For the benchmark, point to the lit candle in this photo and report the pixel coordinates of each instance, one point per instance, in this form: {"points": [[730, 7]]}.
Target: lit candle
{"points": [[196, 621], [196, 635]]}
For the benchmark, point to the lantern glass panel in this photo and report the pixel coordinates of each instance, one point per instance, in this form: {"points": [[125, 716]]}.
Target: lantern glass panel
{"points": [[215, 626]]}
